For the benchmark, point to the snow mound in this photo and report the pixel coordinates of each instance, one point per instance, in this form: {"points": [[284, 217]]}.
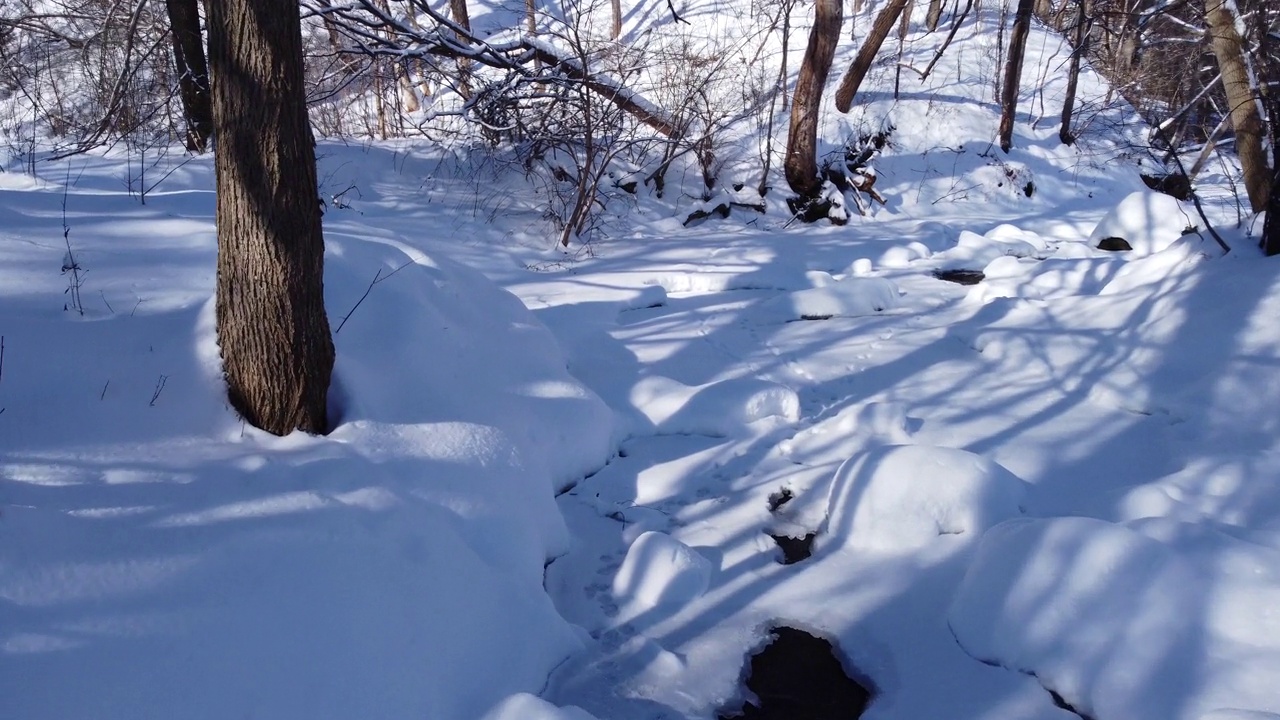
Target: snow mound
{"points": [[719, 409], [904, 497], [648, 296], [523, 706], [973, 251], [660, 570], [1149, 221], [457, 321], [850, 297], [1152, 621]]}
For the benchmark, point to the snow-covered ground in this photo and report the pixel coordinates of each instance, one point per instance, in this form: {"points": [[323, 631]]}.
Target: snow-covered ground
{"points": [[554, 478]]}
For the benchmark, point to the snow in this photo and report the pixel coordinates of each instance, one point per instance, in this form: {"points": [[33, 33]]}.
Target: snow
{"points": [[902, 497], [660, 570], [553, 477], [1148, 221], [1099, 612]]}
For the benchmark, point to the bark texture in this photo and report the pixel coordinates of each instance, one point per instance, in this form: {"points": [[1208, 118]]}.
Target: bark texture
{"points": [[801, 165], [853, 77], [1013, 71], [277, 352], [1246, 119], [193, 71]]}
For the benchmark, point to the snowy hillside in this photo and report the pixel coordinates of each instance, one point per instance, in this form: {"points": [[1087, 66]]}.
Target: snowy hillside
{"points": [[594, 483]]}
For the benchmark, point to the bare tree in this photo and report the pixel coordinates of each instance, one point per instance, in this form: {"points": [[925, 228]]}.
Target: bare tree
{"points": [[801, 164], [277, 352], [1237, 81], [857, 71], [1079, 46], [193, 71], [1013, 71]]}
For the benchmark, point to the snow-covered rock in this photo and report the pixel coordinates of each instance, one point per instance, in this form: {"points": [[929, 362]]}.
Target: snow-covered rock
{"points": [[1147, 221], [660, 570], [903, 497]]}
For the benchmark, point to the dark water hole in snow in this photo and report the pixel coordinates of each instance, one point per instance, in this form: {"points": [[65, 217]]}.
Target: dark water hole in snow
{"points": [[799, 677]]}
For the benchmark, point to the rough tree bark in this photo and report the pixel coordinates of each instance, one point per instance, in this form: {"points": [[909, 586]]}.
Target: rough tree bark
{"points": [[1013, 71], [1080, 36], [1246, 120], [801, 165], [277, 352], [617, 18], [867, 54], [193, 71]]}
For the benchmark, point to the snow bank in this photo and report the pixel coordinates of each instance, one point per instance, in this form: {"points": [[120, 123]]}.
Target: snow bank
{"points": [[1149, 221], [165, 561], [449, 331], [1157, 620], [904, 497]]}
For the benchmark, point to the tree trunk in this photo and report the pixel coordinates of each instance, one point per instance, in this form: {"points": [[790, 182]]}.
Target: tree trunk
{"points": [[193, 71], [1271, 226], [801, 165], [1013, 71], [458, 8], [904, 27], [1080, 37], [867, 54], [277, 353], [934, 16], [1246, 120], [617, 18]]}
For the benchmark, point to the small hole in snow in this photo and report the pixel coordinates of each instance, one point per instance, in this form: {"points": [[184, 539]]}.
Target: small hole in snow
{"points": [[780, 498]]}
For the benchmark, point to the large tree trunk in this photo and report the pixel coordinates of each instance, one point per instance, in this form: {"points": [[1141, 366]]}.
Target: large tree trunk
{"points": [[277, 353], [801, 165], [1080, 37], [193, 71], [853, 77], [1246, 120], [1013, 71]]}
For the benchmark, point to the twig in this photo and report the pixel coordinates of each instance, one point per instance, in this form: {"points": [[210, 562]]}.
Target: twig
{"points": [[1, 357], [377, 278], [104, 302], [1195, 200], [74, 282], [104, 390], [159, 389]]}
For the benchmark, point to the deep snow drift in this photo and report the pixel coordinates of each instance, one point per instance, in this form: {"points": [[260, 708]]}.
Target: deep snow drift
{"points": [[554, 481]]}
